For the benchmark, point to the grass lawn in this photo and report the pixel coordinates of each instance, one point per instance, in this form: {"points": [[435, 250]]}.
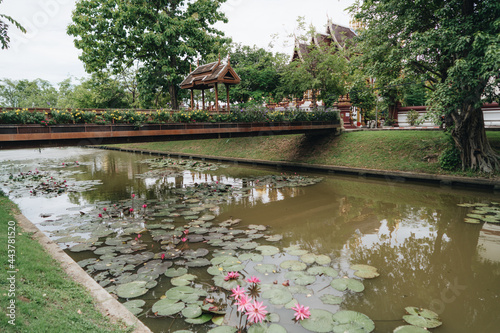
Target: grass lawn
{"points": [[412, 151], [46, 299]]}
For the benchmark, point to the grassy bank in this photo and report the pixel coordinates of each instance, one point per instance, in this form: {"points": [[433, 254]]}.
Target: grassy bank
{"points": [[413, 151], [46, 300]]}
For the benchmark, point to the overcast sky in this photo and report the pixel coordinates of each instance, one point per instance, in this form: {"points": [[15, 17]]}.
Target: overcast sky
{"points": [[46, 52]]}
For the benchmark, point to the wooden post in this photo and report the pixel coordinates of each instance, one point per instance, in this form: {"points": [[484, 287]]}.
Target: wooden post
{"points": [[203, 98], [192, 99], [216, 98], [227, 92]]}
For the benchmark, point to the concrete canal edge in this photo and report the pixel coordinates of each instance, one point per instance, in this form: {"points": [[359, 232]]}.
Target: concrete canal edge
{"points": [[105, 303], [391, 176]]}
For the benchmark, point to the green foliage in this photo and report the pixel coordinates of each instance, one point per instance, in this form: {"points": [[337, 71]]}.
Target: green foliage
{"points": [[21, 116], [165, 36], [62, 116], [413, 118], [195, 116], [4, 27], [27, 94], [449, 159], [160, 116]]}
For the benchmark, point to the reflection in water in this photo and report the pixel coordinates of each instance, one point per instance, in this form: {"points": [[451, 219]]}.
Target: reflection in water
{"points": [[415, 235]]}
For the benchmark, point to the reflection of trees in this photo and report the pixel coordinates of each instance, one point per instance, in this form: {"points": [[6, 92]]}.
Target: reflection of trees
{"points": [[439, 272]]}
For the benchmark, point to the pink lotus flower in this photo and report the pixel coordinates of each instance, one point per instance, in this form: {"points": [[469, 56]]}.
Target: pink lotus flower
{"points": [[243, 302], [253, 279], [144, 206], [301, 312], [139, 235], [100, 215], [237, 292], [133, 196], [231, 276], [184, 239], [256, 312], [104, 209], [131, 210], [185, 232], [162, 256]]}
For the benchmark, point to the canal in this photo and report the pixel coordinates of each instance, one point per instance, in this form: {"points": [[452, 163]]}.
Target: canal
{"points": [[165, 233]]}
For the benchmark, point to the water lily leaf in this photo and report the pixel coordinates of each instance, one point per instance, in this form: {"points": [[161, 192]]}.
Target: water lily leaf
{"points": [[183, 280], [82, 247], [322, 270], [265, 268], [228, 285], [165, 307], [410, 329], [422, 318], [132, 289], [198, 262], [263, 328], [175, 272], [365, 271], [277, 296], [274, 238], [251, 256], [472, 221], [267, 250], [223, 329], [293, 265], [301, 278], [200, 320], [273, 317], [135, 306], [320, 259], [191, 311], [351, 284], [218, 320], [352, 321], [180, 293], [331, 299], [248, 245], [320, 321]]}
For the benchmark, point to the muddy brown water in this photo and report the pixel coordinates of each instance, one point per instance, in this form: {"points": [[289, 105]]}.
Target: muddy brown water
{"points": [[414, 234]]}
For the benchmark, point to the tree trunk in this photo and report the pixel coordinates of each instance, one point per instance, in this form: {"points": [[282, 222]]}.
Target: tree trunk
{"points": [[470, 138], [173, 97]]}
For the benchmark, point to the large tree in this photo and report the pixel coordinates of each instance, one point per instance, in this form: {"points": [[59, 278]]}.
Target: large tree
{"points": [[454, 47], [4, 29], [164, 36]]}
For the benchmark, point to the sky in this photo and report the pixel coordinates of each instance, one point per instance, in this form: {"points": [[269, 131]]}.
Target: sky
{"points": [[47, 52]]}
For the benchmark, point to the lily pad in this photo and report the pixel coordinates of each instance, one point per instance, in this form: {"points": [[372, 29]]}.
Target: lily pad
{"points": [[293, 265], [331, 299], [263, 328], [200, 320], [223, 329], [320, 321], [422, 317], [322, 270], [365, 271], [192, 311], [166, 307], [320, 259], [268, 250], [250, 256], [352, 321], [265, 268], [277, 296], [175, 272], [183, 280], [135, 306], [301, 278], [351, 284], [132, 289]]}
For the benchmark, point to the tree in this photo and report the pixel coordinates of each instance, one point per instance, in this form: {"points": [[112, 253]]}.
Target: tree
{"points": [[100, 91], [454, 47], [27, 94], [4, 27], [164, 36]]}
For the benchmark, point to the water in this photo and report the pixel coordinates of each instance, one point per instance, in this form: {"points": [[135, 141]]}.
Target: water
{"points": [[414, 234]]}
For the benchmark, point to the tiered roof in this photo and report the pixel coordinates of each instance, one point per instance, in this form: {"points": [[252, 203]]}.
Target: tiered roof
{"points": [[206, 76]]}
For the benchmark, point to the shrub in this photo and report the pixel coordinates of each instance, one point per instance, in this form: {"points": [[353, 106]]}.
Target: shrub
{"points": [[160, 116], [61, 117], [413, 118]]}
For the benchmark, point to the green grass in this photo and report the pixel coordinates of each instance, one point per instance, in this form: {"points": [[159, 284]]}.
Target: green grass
{"points": [[412, 151], [46, 299]]}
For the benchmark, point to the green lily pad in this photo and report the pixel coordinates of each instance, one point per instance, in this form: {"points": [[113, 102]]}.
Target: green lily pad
{"points": [[265, 268], [263, 328], [251, 256], [352, 321], [165, 307], [192, 311], [215, 270], [218, 320], [322, 270], [422, 318], [183, 280], [135, 306], [301, 278], [200, 320], [471, 221], [331, 299], [132, 289], [320, 321], [223, 329], [293, 265], [277, 296], [198, 262], [410, 329], [180, 293], [351, 284], [175, 272], [365, 271], [268, 250], [320, 259]]}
